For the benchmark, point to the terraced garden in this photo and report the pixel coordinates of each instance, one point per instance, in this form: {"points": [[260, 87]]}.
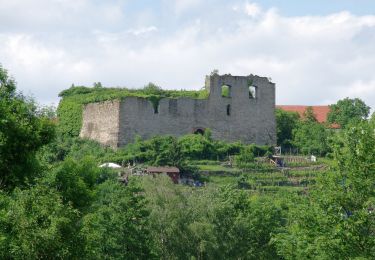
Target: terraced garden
{"points": [[296, 178]]}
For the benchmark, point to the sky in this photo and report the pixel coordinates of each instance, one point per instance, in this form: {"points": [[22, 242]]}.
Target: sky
{"points": [[316, 52]]}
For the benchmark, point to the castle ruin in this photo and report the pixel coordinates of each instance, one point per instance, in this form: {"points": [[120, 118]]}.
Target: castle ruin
{"points": [[238, 108]]}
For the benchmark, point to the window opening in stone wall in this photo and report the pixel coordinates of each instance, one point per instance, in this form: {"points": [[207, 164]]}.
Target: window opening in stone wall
{"points": [[225, 91], [252, 92], [228, 110], [199, 131], [156, 108]]}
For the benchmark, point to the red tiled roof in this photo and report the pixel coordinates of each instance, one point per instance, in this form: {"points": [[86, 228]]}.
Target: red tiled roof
{"points": [[320, 112], [162, 170]]}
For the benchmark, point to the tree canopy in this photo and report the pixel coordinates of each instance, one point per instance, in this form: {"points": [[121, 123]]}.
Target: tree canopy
{"points": [[337, 220], [22, 133], [286, 122], [348, 110]]}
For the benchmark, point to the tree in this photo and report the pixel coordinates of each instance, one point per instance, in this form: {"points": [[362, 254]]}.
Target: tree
{"points": [[309, 115], [22, 133], [337, 220], [210, 223], [152, 89], [348, 110], [75, 181], [196, 146], [286, 122], [35, 224], [246, 156], [311, 138], [116, 225], [372, 119]]}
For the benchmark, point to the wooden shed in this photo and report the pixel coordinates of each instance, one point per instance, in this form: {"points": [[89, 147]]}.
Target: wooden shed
{"points": [[172, 172]]}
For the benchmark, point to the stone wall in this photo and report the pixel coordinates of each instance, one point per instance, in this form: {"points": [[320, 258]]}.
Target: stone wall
{"points": [[234, 118], [100, 122]]}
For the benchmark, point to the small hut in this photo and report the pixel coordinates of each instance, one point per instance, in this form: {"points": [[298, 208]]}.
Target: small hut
{"points": [[172, 172]]}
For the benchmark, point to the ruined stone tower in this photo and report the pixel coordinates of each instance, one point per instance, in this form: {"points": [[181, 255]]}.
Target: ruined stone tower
{"points": [[239, 108]]}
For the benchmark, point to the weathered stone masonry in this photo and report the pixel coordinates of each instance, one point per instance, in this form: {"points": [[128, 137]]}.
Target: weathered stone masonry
{"points": [[245, 117]]}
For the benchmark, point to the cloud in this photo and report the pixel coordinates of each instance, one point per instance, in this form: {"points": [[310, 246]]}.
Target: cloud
{"points": [[59, 15], [183, 5], [252, 9], [312, 59], [142, 30]]}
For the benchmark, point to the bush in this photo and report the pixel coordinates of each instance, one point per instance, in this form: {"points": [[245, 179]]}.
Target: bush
{"points": [[36, 224], [246, 158]]}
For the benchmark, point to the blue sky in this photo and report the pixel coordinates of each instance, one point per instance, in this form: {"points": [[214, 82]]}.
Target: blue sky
{"points": [[321, 7], [315, 51]]}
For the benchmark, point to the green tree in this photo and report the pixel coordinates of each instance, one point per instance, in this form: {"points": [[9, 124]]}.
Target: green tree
{"points": [[309, 115], [372, 119], [337, 220], [35, 224], [152, 89], [116, 225], [75, 181], [286, 122], [210, 223], [348, 110], [311, 138], [22, 133], [246, 156], [196, 146]]}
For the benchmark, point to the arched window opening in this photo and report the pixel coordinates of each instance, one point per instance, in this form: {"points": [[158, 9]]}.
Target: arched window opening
{"points": [[225, 91], [252, 92], [228, 110], [199, 131]]}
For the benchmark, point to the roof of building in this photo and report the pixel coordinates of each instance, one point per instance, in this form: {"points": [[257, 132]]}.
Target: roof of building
{"points": [[162, 170], [320, 112]]}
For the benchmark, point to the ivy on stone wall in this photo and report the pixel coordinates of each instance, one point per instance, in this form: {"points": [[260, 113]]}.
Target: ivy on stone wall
{"points": [[73, 99], [69, 113]]}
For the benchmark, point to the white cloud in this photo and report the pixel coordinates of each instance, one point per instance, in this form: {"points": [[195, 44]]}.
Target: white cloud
{"points": [[142, 30], [312, 59], [183, 5], [252, 9]]}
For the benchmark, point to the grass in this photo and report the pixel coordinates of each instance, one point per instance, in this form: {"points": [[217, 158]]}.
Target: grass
{"points": [[216, 168], [222, 180]]}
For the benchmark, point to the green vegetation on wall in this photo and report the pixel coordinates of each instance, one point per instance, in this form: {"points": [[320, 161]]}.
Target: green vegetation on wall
{"points": [[73, 99]]}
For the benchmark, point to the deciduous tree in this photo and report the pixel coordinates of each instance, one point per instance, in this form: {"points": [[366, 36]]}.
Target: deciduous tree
{"points": [[348, 110], [22, 133]]}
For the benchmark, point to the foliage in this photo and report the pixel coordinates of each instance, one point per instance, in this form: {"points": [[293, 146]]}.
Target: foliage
{"points": [[36, 224], [116, 225], [209, 224], [75, 181], [196, 147], [309, 116], [348, 110], [286, 122], [22, 133], [246, 157], [225, 91], [337, 221], [69, 113], [311, 138]]}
